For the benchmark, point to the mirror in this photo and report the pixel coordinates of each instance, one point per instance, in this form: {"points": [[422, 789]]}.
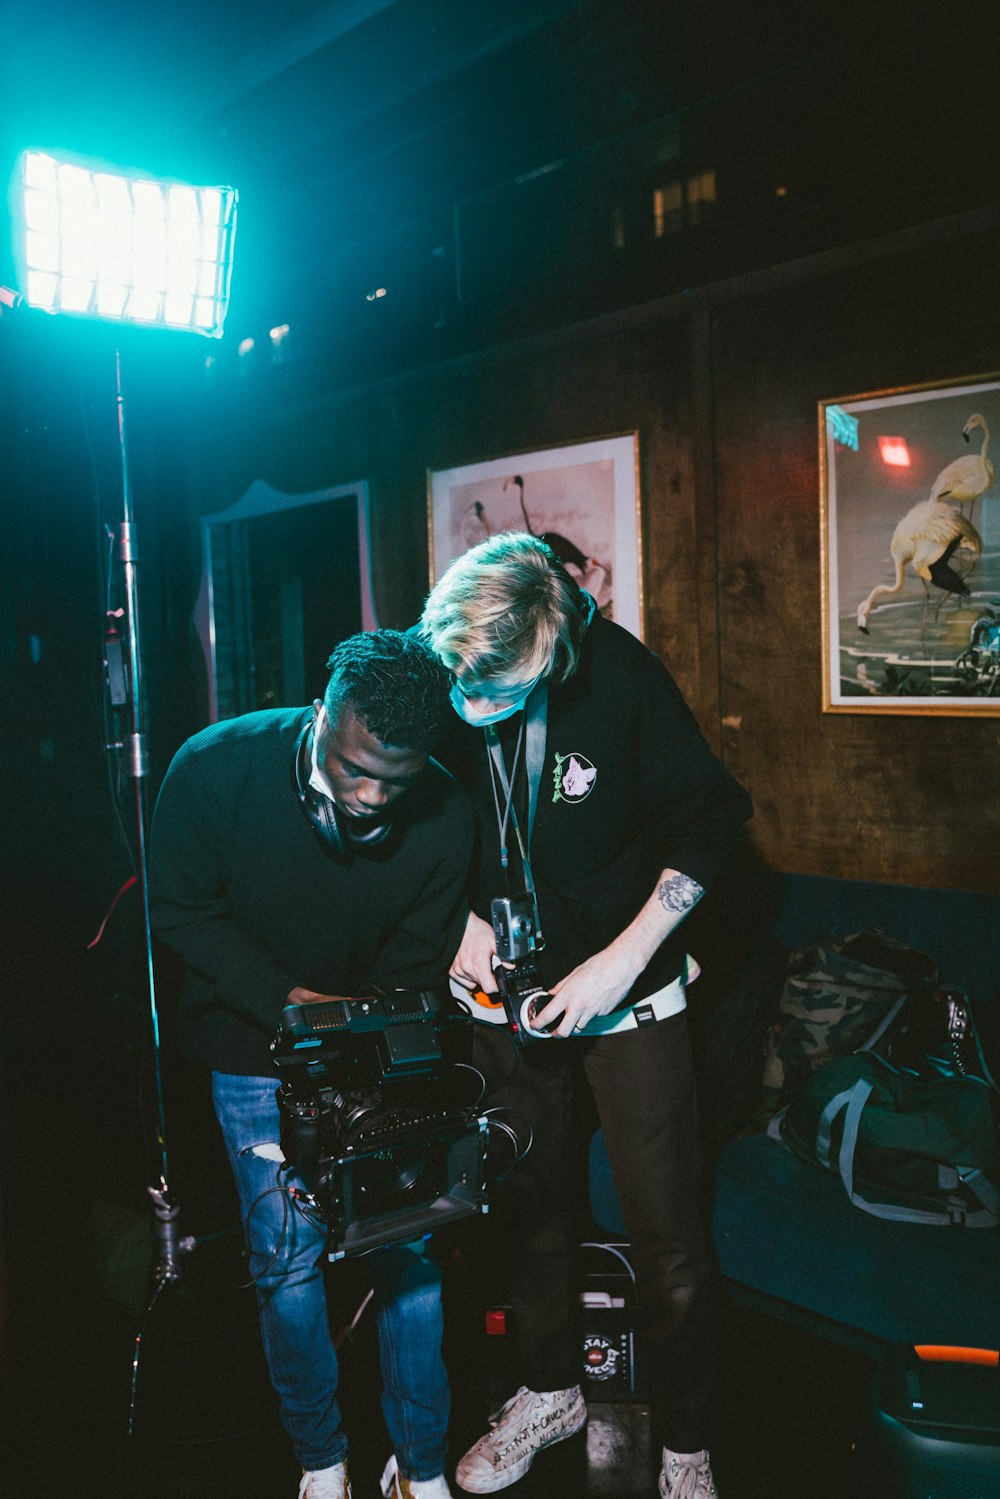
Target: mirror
{"points": [[285, 577]]}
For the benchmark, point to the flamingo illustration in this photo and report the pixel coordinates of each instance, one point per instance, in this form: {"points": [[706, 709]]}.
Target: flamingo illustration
{"points": [[475, 525], [926, 538], [964, 480], [592, 575]]}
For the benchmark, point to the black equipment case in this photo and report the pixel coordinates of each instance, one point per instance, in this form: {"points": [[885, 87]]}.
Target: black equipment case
{"points": [[935, 1431]]}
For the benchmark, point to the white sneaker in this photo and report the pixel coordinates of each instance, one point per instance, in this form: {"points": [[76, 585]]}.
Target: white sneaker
{"points": [[686, 1475], [326, 1483], [526, 1424], [395, 1486]]}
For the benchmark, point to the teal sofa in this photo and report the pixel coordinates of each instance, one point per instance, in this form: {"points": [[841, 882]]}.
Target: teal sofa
{"points": [[784, 1233]]}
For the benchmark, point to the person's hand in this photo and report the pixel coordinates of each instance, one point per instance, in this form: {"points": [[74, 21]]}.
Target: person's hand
{"points": [[592, 989], [300, 996], [473, 964]]}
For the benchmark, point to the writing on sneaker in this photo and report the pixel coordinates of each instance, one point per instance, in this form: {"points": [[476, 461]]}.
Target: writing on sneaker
{"points": [[686, 1475], [518, 1431], [326, 1483]]}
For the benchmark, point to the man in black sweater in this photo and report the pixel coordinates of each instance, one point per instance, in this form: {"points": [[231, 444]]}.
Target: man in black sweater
{"points": [[597, 795], [296, 855]]}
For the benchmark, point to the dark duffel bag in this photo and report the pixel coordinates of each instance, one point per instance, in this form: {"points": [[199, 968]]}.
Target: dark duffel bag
{"points": [[914, 1146]]}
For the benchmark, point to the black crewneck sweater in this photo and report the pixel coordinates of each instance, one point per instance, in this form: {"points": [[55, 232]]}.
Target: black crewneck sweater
{"points": [[242, 889]]}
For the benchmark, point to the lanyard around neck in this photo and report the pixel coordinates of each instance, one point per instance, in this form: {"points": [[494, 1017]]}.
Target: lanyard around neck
{"points": [[532, 734]]}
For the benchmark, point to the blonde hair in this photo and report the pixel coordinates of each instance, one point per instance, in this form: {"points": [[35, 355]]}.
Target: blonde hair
{"points": [[506, 611]]}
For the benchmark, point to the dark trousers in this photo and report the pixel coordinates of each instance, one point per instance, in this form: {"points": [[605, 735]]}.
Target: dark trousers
{"points": [[642, 1084]]}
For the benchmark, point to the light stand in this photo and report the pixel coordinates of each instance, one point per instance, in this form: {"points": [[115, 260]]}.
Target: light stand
{"points": [[169, 1244], [98, 243]]}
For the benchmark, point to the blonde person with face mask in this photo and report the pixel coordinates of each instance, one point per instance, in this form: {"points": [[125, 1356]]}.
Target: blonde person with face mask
{"points": [[598, 800]]}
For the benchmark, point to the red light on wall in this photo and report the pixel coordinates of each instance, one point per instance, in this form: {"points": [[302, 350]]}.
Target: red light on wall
{"points": [[496, 1323], [894, 451]]}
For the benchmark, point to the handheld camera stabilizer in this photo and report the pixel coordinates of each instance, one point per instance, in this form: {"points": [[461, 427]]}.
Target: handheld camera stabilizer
{"points": [[518, 975], [523, 993], [372, 1120]]}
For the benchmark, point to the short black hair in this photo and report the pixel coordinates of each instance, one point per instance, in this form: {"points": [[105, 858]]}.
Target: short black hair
{"points": [[393, 683]]}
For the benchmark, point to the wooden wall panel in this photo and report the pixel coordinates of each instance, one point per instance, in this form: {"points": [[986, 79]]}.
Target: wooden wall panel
{"points": [[911, 799], [722, 388], [567, 390]]}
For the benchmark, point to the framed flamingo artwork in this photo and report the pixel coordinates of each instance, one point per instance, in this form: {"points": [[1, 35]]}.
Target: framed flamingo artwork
{"points": [[910, 545], [582, 498]]}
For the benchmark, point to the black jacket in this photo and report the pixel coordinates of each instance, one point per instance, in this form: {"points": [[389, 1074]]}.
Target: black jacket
{"points": [[629, 787]]}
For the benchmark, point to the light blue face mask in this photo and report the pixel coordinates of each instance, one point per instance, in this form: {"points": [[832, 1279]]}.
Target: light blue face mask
{"points": [[460, 703]]}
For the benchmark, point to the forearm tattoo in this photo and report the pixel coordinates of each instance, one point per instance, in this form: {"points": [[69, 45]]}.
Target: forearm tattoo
{"points": [[679, 893]]}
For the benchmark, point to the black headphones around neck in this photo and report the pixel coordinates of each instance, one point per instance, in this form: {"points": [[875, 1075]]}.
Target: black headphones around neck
{"points": [[333, 830]]}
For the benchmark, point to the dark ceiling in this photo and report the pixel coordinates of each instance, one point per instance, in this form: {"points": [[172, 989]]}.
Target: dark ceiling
{"points": [[415, 144]]}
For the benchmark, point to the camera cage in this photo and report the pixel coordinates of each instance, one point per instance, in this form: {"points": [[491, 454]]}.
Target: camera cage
{"points": [[370, 1123]]}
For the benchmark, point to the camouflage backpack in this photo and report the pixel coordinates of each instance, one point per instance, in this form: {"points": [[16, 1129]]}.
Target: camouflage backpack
{"points": [[834, 996]]}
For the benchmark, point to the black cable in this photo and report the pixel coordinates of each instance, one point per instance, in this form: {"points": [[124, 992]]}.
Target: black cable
{"points": [[136, 1352], [511, 1132], [249, 1250], [463, 1018], [297, 1198], [468, 1067], [515, 1047]]}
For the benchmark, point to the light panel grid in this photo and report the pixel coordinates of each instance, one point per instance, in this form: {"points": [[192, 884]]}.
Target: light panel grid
{"points": [[136, 249]]}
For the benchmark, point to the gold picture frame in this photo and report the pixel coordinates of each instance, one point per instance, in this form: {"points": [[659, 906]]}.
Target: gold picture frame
{"points": [[910, 550], [583, 497]]}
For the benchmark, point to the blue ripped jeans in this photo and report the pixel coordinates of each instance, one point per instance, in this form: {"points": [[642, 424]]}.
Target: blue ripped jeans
{"points": [[293, 1312]]}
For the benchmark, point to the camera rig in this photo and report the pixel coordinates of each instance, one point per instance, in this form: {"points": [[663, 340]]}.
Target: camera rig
{"points": [[372, 1119], [518, 975]]}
